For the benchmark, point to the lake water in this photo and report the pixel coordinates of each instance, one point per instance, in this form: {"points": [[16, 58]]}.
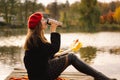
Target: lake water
{"points": [[11, 51]]}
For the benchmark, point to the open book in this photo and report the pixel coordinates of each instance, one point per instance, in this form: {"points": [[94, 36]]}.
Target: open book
{"points": [[74, 47]]}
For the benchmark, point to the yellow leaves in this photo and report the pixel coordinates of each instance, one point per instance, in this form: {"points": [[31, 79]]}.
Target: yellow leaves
{"points": [[117, 15], [76, 45]]}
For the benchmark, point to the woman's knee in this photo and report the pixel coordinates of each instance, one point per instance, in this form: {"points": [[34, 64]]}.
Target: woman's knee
{"points": [[71, 57]]}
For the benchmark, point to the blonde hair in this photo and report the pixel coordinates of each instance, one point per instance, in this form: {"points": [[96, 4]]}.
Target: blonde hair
{"points": [[32, 33]]}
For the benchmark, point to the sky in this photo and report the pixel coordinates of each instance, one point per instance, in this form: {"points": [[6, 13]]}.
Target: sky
{"points": [[45, 2]]}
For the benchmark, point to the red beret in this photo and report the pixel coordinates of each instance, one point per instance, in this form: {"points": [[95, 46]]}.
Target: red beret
{"points": [[34, 19]]}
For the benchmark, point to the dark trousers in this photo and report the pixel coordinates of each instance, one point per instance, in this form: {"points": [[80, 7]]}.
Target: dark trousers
{"points": [[59, 64]]}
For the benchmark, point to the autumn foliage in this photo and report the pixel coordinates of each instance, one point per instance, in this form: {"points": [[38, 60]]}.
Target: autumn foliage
{"points": [[107, 18], [111, 17], [117, 15], [26, 78]]}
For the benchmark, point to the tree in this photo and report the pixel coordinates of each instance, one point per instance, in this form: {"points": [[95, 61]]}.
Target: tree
{"points": [[107, 18], [12, 4], [104, 8], [112, 6], [8, 9], [74, 14], [90, 14], [12, 10], [117, 15], [54, 11], [26, 11], [5, 9], [110, 17], [64, 14]]}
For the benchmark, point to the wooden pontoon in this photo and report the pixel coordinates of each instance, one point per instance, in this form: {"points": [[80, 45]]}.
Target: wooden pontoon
{"points": [[21, 73]]}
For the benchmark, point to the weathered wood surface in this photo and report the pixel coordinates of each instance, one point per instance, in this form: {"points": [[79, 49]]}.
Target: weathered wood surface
{"points": [[69, 75]]}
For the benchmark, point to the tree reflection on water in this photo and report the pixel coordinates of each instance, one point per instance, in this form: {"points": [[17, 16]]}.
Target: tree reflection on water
{"points": [[88, 53], [10, 55]]}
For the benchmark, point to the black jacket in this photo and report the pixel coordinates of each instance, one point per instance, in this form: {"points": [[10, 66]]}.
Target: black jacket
{"points": [[36, 59]]}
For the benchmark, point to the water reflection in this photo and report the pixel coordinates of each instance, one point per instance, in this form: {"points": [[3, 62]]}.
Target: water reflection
{"points": [[10, 55], [12, 32], [115, 51], [88, 53]]}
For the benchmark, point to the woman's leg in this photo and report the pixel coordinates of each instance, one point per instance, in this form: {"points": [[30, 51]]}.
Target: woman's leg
{"points": [[57, 66], [84, 68]]}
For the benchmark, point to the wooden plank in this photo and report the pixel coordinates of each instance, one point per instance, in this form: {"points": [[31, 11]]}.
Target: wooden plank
{"points": [[76, 76], [18, 73]]}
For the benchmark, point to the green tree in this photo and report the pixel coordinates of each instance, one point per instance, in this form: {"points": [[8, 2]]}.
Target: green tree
{"points": [[26, 11], [54, 11], [74, 14], [90, 14], [112, 6], [34, 5], [104, 8], [4, 9], [8, 8], [13, 6], [64, 14]]}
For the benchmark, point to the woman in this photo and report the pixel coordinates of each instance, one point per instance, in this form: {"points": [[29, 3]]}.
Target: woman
{"points": [[39, 53]]}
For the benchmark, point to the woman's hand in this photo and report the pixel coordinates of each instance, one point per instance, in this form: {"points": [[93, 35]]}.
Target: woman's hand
{"points": [[53, 27]]}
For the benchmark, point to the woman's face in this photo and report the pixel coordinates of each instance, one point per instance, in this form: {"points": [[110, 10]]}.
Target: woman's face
{"points": [[44, 24]]}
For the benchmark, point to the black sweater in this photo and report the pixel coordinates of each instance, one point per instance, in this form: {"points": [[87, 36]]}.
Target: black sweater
{"points": [[36, 59]]}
